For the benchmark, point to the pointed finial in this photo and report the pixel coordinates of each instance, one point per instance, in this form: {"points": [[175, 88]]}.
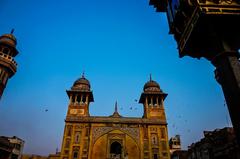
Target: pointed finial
{"points": [[12, 31], [150, 77], [116, 114], [116, 109], [83, 74]]}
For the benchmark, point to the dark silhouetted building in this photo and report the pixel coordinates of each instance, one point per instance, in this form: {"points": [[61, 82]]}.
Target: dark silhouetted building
{"points": [[217, 144], [174, 143], [11, 147], [175, 148], [179, 154]]}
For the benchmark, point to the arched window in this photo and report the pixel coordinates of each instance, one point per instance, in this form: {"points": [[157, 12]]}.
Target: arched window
{"points": [[75, 154], [154, 101], [69, 130], [78, 98], [155, 156], [67, 143], [77, 137], [84, 98], [6, 50], [154, 139], [162, 133]]}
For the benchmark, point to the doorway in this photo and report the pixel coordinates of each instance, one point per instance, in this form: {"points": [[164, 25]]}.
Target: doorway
{"points": [[116, 150]]}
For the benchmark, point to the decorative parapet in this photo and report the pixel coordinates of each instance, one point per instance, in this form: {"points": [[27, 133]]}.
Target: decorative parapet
{"points": [[123, 120]]}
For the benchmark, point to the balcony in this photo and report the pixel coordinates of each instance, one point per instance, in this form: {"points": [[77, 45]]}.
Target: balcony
{"points": [[8, 61]]}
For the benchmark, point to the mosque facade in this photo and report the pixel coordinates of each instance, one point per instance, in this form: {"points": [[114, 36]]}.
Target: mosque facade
{"points": [[115, 136]]}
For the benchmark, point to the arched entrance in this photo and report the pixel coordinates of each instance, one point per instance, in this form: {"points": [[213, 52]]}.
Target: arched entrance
{"points": [[116, 150], [115, 143]]}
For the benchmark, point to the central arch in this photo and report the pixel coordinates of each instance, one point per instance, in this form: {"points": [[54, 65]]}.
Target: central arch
{"points": [[115, 144]]}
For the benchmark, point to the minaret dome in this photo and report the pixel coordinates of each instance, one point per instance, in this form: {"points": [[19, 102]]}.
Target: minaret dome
{"points": [[81, 84], [151, 86]]}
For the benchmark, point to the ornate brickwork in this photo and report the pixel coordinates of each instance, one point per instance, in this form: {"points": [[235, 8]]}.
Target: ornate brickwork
{"points": [[99, 131], [98, 137]]}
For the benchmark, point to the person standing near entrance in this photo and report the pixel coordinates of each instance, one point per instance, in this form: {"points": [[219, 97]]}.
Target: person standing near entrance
{"points": [[126, 156]]}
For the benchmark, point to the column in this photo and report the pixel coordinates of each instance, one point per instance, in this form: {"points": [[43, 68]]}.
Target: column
{"points": [[152, 101], [81, 100], [75, 100], [227, 74], [87, 99], [70, 99]]}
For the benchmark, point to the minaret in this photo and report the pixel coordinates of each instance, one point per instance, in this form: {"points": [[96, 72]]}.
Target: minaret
{"points": [[80, 97], [8, 66], [75, 136], [152, 99]]}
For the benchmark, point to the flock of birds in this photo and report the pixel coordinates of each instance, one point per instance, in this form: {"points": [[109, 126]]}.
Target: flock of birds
{"points": [[174, 125]]}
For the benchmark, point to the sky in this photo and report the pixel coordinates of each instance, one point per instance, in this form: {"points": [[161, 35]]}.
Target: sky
{"points": [[118, 44]]}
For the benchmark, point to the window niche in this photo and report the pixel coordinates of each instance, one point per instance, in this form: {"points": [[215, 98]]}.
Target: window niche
{"points": [[154, 101], [78, 99], [155, 152], [84, 99], [163, 134], [149, 101], [154, 139], [155, 156], [67, 143], [77, 138], [6, 50], [69, 130], [75, 152]]}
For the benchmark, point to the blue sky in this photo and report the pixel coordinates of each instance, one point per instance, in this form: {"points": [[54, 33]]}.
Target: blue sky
{"points": [[118, 44]]}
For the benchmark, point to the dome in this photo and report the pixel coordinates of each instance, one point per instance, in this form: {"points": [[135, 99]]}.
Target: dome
{"points": [[151, 86], [8, 39], [81, 84]]}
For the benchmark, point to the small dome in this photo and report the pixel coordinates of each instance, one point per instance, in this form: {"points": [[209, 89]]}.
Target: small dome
{"points": [[151, 86], [81, 84], [8, 39]]}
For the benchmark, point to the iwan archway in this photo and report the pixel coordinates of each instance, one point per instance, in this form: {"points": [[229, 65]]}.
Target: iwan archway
{"points": [[115, 144]]}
